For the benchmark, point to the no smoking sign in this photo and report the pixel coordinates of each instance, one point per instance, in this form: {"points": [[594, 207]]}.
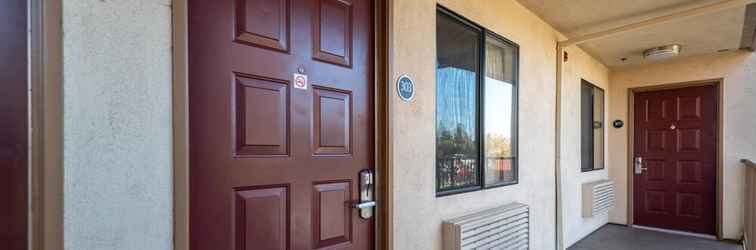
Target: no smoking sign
{"points": [[300, 81]]}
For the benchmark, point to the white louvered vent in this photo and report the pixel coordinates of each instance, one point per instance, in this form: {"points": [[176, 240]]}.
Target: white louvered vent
{"points": [[505, 227], [598, 197]]}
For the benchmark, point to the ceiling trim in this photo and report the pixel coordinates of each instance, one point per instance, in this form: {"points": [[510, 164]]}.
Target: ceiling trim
{"points": [[721, 5]]}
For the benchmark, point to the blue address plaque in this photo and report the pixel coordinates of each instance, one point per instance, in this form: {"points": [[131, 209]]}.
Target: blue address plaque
{"points": [[405, 88]]}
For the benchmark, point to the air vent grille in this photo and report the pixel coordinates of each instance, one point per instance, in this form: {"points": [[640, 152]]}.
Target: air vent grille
{"points": [[504, 227], [598, 197]]}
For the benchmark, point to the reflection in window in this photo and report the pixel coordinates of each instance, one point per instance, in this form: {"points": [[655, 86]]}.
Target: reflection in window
{"points": [[476, 107], [591, 127], [499, 108], [457, 146]]}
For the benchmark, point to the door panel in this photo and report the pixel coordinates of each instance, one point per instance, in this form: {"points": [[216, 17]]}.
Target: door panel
{"points": [[14, 125], [675, 135], [273, 166]]}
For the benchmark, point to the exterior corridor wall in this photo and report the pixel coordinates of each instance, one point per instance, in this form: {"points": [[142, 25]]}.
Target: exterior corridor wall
{"points": [[418, 213], [738, 71]]}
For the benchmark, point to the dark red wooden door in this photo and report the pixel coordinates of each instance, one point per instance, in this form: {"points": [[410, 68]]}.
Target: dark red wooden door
{"points": [[675, 135], [273, 166], [14, 125]]}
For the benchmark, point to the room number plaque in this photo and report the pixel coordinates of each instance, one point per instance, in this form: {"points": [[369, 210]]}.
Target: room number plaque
{"points": [[405, 88]]}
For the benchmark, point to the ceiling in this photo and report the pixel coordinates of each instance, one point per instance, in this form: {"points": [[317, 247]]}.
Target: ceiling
{"points": [[702, 34]]}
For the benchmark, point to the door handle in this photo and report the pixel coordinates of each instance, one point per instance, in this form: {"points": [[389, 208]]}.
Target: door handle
{"points": [[367, 202], [639, 165], [364, 205]]}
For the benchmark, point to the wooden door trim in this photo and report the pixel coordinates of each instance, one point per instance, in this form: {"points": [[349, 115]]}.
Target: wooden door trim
{"points": [[46, 68], [717, 83], [382, 55], [180, 120]]}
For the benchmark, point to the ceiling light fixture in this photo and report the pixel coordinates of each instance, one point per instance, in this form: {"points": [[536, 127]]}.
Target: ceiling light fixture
{"points": [[662, 52]]}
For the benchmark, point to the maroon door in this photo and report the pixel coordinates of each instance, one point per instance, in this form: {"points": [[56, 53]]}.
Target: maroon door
{"points": [[14, 125], [274, 161], [675, 139]]}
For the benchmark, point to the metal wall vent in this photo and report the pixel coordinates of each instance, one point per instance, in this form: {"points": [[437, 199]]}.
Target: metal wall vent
{"points": [[504, 227], [598, 197]]}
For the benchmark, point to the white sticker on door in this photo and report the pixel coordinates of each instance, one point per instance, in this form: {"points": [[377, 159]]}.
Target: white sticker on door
{"points": [[300, 81]]}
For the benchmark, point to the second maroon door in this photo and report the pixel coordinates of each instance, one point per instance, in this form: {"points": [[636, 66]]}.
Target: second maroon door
{"points": [[674, 183]]}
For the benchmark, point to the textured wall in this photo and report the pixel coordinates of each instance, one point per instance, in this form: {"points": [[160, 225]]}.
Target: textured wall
{"points": [[418, 213], [579, 66], [117, 127], [739, 72]]}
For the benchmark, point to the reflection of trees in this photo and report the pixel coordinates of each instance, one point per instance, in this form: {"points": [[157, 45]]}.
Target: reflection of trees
{"points": [[498, 146], [455, 143]]}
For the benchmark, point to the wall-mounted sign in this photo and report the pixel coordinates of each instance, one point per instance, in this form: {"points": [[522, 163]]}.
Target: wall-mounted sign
{"points": [[618, 123], [300, 81], [405, 88]]}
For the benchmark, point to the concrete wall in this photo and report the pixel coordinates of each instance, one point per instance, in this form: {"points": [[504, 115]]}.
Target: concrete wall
{"points": [[579, 66], [117, 127], [739, 72], [418, 213]]}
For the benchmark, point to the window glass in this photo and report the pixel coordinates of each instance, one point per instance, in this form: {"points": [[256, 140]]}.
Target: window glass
{"points": [[591, 127], [499, 109], [598, 128], [457, 69]]}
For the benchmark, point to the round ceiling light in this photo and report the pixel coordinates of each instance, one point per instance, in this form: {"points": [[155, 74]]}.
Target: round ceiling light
{"points": [[662, 52]]}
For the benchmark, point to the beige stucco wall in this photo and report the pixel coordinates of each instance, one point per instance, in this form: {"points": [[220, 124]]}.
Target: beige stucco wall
{"points": [[418, 213], [117, 190], [739, 72], [579, 66]]}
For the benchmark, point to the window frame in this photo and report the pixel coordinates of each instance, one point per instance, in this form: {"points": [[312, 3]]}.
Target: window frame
{"points": [[484, 35], [592, 159]]}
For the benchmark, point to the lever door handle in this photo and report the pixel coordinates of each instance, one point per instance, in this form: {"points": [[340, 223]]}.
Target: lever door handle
{"points": [[639, 165], [364, 205]]}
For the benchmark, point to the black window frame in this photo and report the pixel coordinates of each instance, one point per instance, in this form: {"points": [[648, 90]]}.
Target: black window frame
{"points": [[588, 158], [484, 35]]}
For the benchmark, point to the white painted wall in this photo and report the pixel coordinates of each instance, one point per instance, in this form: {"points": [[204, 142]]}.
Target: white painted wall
{"points": [[117, 124], [418, 213], [579, 66], [739, 72]]}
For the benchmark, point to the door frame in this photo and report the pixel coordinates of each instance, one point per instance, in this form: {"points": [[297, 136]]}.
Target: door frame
{"points": [[46, 125], [717, 83], [180, 119]]}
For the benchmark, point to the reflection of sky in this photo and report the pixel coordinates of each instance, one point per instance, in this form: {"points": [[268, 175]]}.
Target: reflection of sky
{"points": [[498, 107], [456, 103]]}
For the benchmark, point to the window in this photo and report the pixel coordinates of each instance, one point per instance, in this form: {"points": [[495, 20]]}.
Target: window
{"points": [[476, 107], [591, 127]]}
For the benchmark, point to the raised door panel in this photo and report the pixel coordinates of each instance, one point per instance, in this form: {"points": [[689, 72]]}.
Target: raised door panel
{"points": [[689, 108], [655, 202], [262, 218], [332, 31], [689, 205], [331, 214], [689, 172], [332, 121], [655, 170], [263, 23], [657, 109], [262, 116], [655, 141], [688, 140]]}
